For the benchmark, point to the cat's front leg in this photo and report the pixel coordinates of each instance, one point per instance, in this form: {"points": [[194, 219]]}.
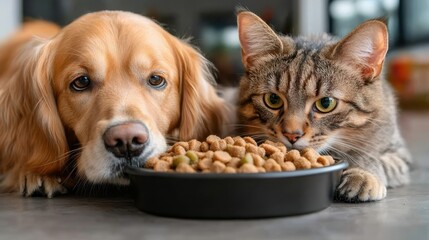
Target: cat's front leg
{"points": [[396, 167], [359, 185]]}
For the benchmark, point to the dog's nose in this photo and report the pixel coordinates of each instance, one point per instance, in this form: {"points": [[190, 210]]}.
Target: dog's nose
{"points": [[126, 140]]}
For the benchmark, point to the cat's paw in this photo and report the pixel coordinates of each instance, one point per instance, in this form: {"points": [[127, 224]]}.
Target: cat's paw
{"points": [[31, 185], [396, 170], [358, 185]]}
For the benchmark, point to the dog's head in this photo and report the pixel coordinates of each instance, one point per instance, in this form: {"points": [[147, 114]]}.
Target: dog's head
{"points": [[110, 86]]}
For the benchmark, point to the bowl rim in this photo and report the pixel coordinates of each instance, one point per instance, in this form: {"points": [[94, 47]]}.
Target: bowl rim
{"points": [[339, 165]]}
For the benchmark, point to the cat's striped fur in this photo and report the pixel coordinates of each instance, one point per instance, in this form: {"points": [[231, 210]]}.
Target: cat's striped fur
{"points": [[362, 128]]}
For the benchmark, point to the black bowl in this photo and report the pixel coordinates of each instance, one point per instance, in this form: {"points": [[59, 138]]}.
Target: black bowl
{"points": [[234, 196]]}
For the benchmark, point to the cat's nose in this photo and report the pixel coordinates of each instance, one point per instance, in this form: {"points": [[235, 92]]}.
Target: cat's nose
{"points": [[293, 136]]}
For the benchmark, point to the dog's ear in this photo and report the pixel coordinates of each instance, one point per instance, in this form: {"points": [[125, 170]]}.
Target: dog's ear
{"points": [[33, 110], [203, 111]]}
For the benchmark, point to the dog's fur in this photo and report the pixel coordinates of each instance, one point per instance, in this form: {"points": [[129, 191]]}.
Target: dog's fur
{"points": [[43, 121]]}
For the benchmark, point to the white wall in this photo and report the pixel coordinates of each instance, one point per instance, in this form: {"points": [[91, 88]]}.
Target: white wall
{"points": [[313, 17], [10, 17]]}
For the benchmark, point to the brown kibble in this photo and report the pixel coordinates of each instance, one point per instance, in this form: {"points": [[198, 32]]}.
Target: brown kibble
{"points": [[292, 155], [323, 160], [283, 149], [288, 166], [206, 171], [215, 146], [261, 152], [261, 169], [222, 144], [168, 159], [269, 142], [212, 138], [239, 141], [258, 160], [184, 168], [230, 170], [204, 147], [201, 154], [205, 163], [194, 145], [302, 163], [316, 165], [236, 151], [209, 154], [179, 150], [221, 156], [247, 168], [250, 148], [272, 166], [330, 159], [250, 140], [229, 140], [161, 166], [279, 157], [269, 149], [185, 145], [150, 163], [217, 167], [310, 154], [234, 163]]}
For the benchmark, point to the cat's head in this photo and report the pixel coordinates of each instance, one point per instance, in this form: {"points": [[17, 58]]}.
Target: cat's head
{"points": [[316, 91]]}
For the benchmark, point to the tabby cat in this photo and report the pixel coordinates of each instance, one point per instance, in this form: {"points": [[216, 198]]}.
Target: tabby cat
{"points": [[327, 94]]}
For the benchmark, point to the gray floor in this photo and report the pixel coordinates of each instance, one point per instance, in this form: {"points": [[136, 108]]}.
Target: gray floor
{"points": [[404, 214]]}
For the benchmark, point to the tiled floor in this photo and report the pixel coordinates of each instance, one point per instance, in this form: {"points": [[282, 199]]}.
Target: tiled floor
{"points": [[404, 214]]}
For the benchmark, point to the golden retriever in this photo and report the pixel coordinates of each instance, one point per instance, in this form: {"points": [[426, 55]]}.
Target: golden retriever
{"points": [[101, 93]]}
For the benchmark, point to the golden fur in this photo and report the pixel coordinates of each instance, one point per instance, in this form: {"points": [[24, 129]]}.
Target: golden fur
{"points": [[43, 122]]}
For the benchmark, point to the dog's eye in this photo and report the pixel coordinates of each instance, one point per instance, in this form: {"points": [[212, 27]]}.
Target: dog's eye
{"points": [[81, 83], [157, 81]]}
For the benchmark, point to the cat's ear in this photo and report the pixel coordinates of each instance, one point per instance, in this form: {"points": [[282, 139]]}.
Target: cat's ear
{"points": [[365, 47], [256, 38]]}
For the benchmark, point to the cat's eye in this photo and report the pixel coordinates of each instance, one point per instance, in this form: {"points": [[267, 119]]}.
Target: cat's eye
{"points": [[80, 84], [273, 101], [325, 104], [156, 81]]}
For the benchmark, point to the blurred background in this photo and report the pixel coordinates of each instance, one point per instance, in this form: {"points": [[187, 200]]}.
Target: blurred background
{"points": [[212, 24]]}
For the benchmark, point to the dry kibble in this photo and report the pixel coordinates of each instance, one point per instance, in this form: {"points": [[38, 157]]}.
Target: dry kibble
{"points": [[279, 157], [235, 155], [250, 140], [235, 162], [251, 148], [192, 155], [215, 146], [272, 166], [212, 138], [229, 140], [238, 141], [323, 160], [247, 159], [258, 160], [194, 145], [185, 145], [302, 163], [179, 150], [236, 151], [310, 154], [292, 155], [230, 170], [180, 159], [205, 163], [151, 162], [269, 149], [217, 167], [288, 166], [204, 147], [222, 156], [161, 166], [247, 168], [184, 168]]}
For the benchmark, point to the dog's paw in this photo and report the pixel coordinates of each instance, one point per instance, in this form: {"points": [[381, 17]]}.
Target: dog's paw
{"points": [[31, 185], [358, 185]]}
